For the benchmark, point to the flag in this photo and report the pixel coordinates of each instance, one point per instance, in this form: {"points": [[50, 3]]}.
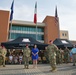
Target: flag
{"points": [[11, 15], [35, 13], [57, 21], [56, 16]]}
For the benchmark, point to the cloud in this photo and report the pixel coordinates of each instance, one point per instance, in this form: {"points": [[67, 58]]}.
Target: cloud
{"points": [[23, 13], [24, 10], [67, 18]]}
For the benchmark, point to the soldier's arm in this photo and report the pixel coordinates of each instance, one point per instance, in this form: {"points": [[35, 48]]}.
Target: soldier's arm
{"points": [[56, 47], [30, 50], [23, 52], [47, 49]]}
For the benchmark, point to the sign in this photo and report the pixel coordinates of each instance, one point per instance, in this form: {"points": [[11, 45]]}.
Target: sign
{"points": [[25, 40], [64, 41]]}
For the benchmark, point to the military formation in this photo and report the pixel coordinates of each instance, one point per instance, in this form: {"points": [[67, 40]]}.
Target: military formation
{"points": [[56, 56], [52, 53]]}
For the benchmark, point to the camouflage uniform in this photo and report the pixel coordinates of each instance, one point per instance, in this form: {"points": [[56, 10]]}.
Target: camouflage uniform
{"points": [[4, 52], [46, 55], [26, 56], [52, 55], [1, 57], [62, 56], [58, 57], [66, 55]]}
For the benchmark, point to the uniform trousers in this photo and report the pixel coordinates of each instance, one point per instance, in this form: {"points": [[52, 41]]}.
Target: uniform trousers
{"points": [[26, 62], [74, 58]]}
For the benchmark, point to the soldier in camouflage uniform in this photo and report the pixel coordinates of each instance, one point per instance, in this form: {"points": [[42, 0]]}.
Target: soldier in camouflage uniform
{"points": [[26, 56], [58, 56], [66, 55], [4, 52], [52, 55], [46, 55], [1, 57], [62, 55]]}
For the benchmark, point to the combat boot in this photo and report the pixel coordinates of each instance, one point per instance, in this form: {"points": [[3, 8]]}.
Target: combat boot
{"points": [[27, 67], [51, 70], [73, 64], [54, 69], [3, 64]]}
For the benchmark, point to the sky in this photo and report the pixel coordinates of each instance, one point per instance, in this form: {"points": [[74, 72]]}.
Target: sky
{"points": [[24, 10]]}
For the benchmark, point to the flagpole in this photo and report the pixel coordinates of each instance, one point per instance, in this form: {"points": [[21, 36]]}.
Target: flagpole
{"points": [[35, 17], [36, 31], [57, 21], [10, 29], [11, 17], [58, 29]]}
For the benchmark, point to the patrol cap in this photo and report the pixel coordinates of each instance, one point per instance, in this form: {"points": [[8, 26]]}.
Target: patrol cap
{"points": [[2, 45], [26, 44], [50, 41]]}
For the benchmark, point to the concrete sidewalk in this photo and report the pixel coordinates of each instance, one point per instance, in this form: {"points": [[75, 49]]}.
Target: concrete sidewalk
{"points": [[43, 69]]}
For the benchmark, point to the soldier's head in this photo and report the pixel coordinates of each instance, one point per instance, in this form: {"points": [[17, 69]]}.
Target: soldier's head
{"points": [[65, 47], [3, 46], [51, 41], [74, 46], [27, 45], [45, 48]]}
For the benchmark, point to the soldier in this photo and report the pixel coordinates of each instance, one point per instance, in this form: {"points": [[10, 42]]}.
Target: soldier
{"points": [[66, 55], [4, 52], [26, 56], [1, 57], [46, 54], [52, 55], [58, 56], [62, 55]]}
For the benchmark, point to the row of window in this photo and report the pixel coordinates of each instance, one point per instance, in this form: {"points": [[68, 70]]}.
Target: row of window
{"points": [[64, 34], [27, 28]]}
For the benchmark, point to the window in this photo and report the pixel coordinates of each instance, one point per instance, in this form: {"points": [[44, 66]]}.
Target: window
{"points": [[62, 34], [27, 28], [65, 34]]}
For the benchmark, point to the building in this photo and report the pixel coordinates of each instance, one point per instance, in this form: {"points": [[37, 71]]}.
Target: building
{"points": [[47, 30], [73, 42], [64, 34]]}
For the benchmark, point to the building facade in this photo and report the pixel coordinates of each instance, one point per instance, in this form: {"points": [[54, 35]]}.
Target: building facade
{"points": [[26, 29], [47, 30], [64, 34]]}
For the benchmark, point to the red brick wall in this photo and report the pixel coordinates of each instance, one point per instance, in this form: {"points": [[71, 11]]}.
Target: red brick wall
{"points": [[4, 25], [51, 29]]}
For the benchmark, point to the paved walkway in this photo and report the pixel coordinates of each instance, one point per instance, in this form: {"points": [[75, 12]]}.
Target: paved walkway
{"points": [[43, 69]]}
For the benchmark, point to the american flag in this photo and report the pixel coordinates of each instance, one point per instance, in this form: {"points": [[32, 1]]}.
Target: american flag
{"points": [[57, 22], [56, 17]]}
